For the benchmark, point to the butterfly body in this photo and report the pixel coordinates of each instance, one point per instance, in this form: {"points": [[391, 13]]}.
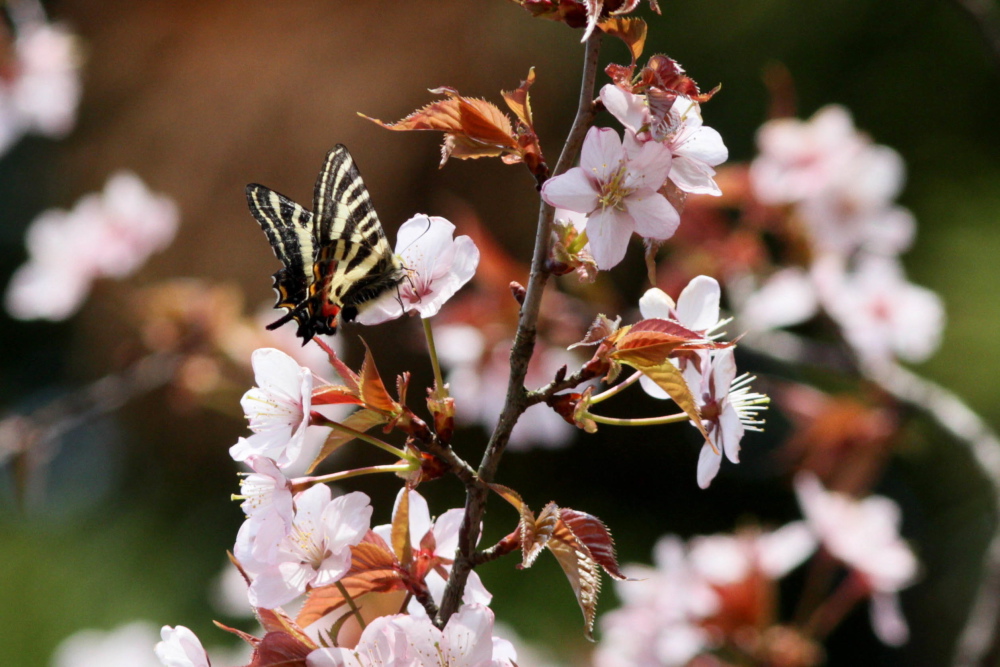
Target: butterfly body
{"points": [[336, 257]]}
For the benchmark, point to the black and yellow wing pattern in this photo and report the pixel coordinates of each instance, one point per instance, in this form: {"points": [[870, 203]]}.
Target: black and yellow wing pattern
{"points": [[336, 258]]}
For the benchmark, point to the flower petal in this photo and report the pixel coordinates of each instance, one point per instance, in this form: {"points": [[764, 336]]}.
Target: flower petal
{"points": [[574, 191]]}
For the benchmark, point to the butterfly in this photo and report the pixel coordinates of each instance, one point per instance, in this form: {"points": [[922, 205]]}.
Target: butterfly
{"points": [[336, 258]]}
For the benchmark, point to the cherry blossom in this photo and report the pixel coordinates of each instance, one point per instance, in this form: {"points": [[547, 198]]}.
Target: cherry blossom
{"points": [[697, 308], [267, 503], [437, 266], [616, 187], [881, 314], [695, 148], [864, 535], [728, 408], [180, 648], [316, 551], [105, 235], [466, 641], [787, 297], [382, 644], [277, 408], [435, 543]]}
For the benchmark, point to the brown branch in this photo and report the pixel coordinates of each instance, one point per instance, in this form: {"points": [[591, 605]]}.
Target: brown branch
{"points": [[516, 401]]}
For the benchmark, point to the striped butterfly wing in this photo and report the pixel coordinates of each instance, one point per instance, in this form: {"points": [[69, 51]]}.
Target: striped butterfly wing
{"points": [[354, 263], [290, 229]]}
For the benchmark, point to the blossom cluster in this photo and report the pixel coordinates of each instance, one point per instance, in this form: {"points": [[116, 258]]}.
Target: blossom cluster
{"points": [[106, 235], [40, 88], [840, 190], [719, 592]]}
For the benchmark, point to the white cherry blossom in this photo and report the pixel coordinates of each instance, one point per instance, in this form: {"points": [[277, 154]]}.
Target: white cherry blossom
{"points": [[382, 644], [267, 504], [466, 641], [437, 265], [277, 408]]}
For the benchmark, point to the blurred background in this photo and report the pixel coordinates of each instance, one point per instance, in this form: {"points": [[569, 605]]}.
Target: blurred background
{"points": [[129, 515]]}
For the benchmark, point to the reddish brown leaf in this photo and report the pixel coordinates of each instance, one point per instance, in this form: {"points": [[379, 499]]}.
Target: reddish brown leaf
{"points": [[632, 31], [536, 534], [334, 394], [584, 577], [245, 636], [519, 101], [592, 532], [508, 494], [278, 649], [372, 389], [374, 569], [600, 328], [359, 420], [667, 327]]}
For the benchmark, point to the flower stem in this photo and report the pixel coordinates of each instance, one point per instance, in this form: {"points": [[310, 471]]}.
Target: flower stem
{"points": [[320, 420], [617, 389], [351, 604], [303, 483], [643, 421], [440, 391]]}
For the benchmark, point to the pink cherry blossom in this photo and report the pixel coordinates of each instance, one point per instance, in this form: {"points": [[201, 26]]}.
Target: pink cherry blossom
{"points": [[277, 408], [864, 535], [105, 235], [881, 314], [437, 265], [787, 297], [616, 187], [180, 648], [316, 551], [695, 148], [442, 534]]}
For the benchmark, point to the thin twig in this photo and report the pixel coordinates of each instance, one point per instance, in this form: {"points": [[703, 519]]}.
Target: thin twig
{"points": [[524, 344]]}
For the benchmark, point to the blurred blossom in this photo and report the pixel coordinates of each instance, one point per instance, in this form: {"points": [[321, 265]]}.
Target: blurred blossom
{"points": [[786, 298], [659, 622], [228, 593], [729, 559], [864, 535], [695, 148], [882, 314], [126, 646], [616, 187], [478, 374], [442, 533], [105, 235], [41, 90], [437, 265]]}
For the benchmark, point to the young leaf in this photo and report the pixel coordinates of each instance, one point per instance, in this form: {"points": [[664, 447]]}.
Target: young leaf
{"points": [[632, 31], [372, 389], [519, 101], [592, 532], [535, 534], [280, 649], [584, 577], [401, 544], [335, 394]]}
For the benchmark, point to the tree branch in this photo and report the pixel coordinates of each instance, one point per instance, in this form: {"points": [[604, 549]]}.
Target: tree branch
{"points": [[516, 401]]}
